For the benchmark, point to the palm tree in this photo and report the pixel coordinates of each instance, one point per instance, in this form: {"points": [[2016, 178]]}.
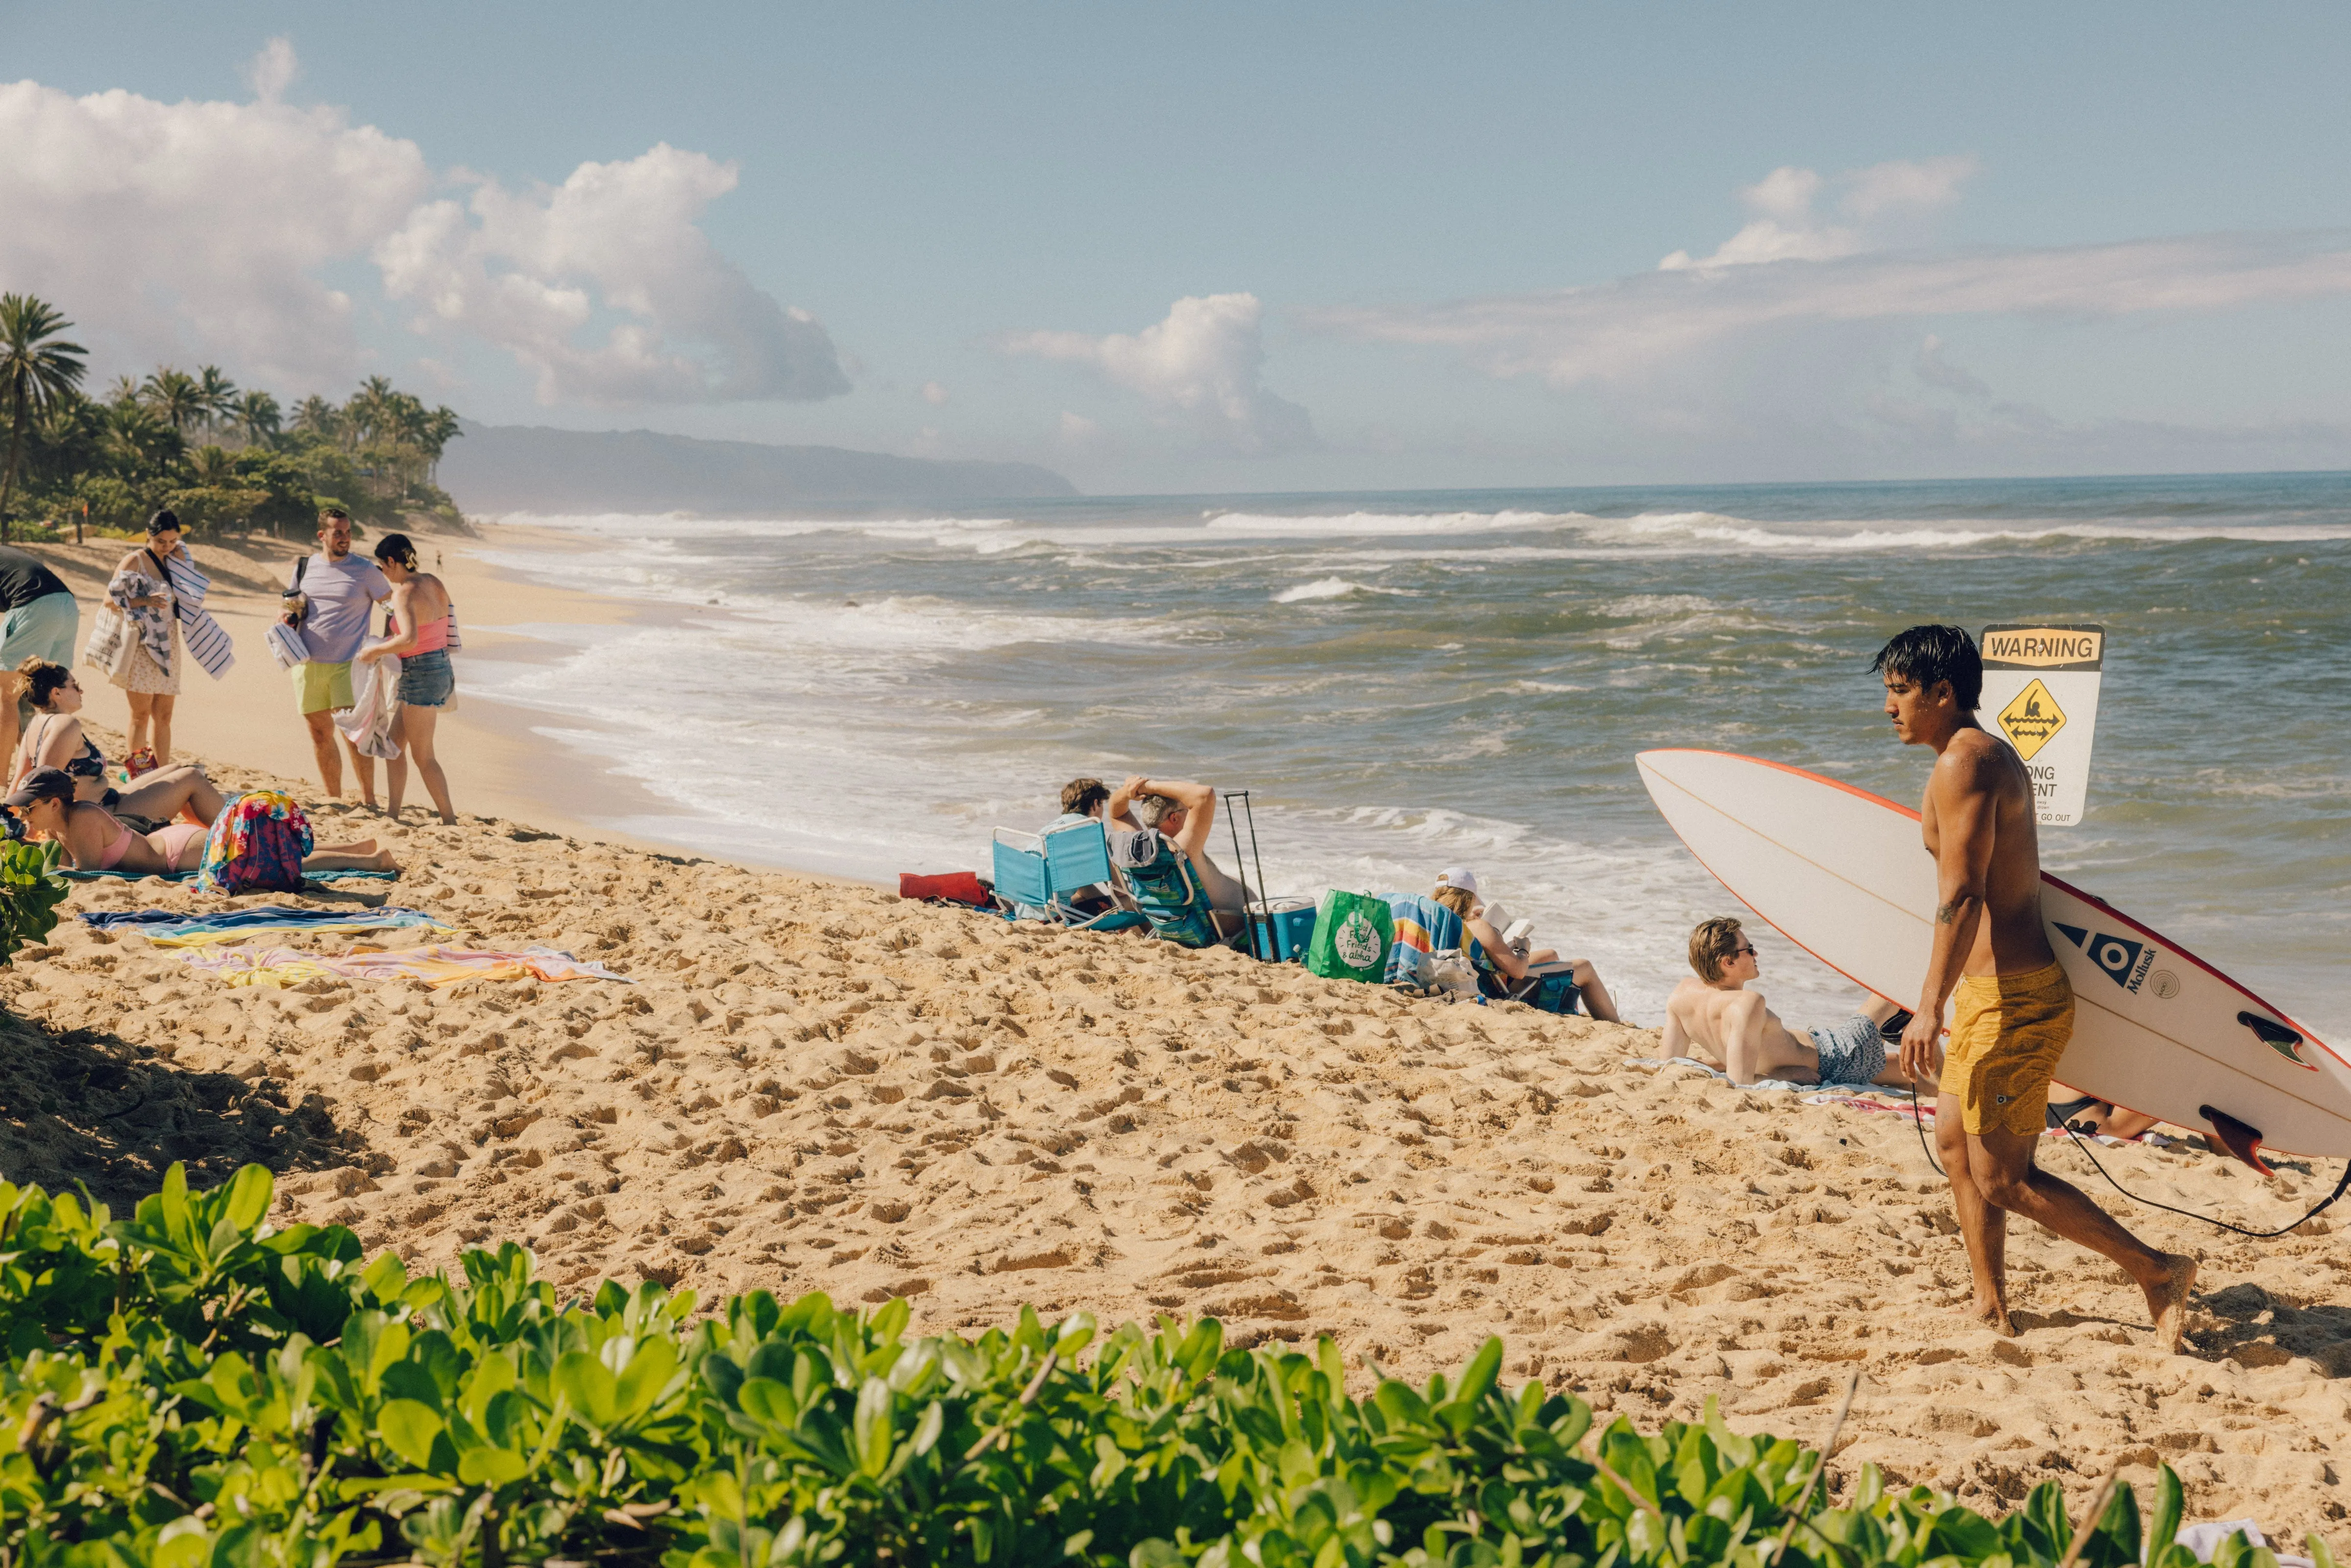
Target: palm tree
{"points": [[175, 395], [257, 417], [125, 390], [441, 428], [315, 416], [216, 394], [367, 417], [36, 368], [136, 438], [212, 467]]}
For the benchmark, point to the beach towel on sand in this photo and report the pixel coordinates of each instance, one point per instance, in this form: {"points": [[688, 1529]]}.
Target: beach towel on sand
{"points": [[257, 845], [98, 874], [170, 928], [437, 966]]}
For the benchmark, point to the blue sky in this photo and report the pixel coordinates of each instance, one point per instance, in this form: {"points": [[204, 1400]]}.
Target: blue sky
{"points": [[1233, 248]]}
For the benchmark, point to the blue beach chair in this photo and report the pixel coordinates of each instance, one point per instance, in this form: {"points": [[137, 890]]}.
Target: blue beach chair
{"points": [[1039, 873], [1157, 876]]}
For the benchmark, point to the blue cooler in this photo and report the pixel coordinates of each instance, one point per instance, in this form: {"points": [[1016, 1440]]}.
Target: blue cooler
{"points": [[1289, 923]]}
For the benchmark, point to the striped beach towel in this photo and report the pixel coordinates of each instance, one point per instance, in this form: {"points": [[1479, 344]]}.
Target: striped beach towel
{"points": [[208, 645]]}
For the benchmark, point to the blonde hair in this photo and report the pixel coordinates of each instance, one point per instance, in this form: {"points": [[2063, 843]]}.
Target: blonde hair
{"points": [[1713, 945], [1459, 900]]}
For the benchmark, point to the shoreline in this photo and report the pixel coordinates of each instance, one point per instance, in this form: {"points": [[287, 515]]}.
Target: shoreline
{"points": [[498, 762]]}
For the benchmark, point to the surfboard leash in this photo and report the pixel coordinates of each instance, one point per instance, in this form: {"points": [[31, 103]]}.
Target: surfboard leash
{"points": [[2327, 1202], [2341, 1186]]}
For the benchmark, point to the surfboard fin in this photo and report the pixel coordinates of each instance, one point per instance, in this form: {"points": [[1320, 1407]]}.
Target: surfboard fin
{"points": [[2242, 1141]]}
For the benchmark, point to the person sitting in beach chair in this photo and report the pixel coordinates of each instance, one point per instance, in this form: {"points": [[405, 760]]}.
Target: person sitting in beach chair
{"points": [[1506, 974], [1184, 814], [1083, 801], [1712, 1017]]}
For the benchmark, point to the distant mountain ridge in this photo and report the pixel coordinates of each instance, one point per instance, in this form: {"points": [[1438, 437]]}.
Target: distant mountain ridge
{"points": [[532, 468]]}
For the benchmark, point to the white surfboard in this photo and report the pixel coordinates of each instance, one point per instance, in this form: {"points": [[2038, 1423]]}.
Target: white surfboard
{"points": [[1844, 875]]}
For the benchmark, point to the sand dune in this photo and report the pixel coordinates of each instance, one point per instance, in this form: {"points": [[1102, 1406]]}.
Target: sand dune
{"points": [[813, 1085]]}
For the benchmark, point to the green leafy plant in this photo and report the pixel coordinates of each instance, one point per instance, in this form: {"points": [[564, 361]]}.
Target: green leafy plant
{"points": [[190, 1388], [30, 892]]}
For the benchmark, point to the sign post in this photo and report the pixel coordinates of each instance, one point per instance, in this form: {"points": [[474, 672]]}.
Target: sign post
{"points": [[2041, 696]]}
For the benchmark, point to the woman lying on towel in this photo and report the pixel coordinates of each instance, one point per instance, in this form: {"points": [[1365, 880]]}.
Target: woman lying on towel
{"points": [[55, 739], [93, 841]]}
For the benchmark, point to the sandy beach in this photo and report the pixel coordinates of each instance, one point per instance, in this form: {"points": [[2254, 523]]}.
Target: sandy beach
{"points": [[810, 1084]]}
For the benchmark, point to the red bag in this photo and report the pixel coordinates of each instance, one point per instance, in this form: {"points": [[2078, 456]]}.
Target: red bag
{"points": [[954, 887]]}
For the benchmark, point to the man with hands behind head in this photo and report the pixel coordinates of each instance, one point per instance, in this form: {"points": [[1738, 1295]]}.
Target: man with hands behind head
{"points": [[1183, 813], [2014, 1011]]}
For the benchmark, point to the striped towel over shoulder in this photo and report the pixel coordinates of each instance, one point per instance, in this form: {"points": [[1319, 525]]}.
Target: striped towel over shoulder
{"points": [[207, 644]]}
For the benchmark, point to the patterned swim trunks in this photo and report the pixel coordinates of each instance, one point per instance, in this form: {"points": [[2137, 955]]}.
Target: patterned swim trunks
{"points": [[1852, 1051]]}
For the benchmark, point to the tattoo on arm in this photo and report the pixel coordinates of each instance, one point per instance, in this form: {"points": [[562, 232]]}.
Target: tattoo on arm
{"points": [[1945, 914]]}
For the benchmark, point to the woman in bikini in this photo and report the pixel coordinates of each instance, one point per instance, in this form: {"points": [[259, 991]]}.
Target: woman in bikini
{"points": [[93, 841], [419, 638], [55, 739]]}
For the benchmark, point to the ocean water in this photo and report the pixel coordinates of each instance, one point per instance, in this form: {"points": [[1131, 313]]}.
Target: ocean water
{"points": [[1409, 681]]}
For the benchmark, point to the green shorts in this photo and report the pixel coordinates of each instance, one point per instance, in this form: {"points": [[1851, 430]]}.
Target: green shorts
{"points": [[318, 687]]}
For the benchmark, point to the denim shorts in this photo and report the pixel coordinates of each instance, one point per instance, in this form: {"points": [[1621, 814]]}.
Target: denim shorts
{"points": [[426, 679]]}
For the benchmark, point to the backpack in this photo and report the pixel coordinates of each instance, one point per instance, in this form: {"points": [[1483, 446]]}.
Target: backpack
{"points": [[256, 845]]}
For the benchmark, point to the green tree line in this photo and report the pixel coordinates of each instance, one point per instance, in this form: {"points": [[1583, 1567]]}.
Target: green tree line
{"points": [[225, 458]]}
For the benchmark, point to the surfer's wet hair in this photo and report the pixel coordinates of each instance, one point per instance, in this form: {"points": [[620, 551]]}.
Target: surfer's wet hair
{"points": [[1925, 654]]}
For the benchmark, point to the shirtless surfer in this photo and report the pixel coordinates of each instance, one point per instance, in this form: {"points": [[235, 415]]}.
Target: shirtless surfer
{"points": [[1712, 1016], [2014, 1012]]}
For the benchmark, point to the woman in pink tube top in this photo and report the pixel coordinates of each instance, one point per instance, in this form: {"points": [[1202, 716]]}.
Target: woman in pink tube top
{"points": [[418, 638], [93, 841]]}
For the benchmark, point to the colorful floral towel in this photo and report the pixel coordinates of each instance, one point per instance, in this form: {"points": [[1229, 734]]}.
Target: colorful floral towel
{"points": [[436, 967], [257, 845], [169, 928]]}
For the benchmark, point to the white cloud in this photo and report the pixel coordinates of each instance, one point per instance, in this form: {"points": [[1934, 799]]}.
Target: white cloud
{"points": [[934, 394], [167, 230], [531, 271], [1202, 366], [1786, 228], [1630, 326], [271, 72], [201, 229]]}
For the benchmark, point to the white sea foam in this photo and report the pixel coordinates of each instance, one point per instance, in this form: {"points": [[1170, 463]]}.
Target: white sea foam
{"points": [[1334, 587]]}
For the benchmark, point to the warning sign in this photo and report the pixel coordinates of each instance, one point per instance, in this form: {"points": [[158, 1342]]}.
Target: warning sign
{"points": [[2041, 694], [2032, 719]]}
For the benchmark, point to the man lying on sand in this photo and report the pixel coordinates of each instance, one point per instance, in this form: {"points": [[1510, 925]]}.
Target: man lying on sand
{"points": [[1713, 1018], [2015, 1007]]}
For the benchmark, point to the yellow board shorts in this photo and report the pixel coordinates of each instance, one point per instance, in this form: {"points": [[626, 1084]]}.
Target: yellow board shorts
{"points": [[318, 686], [2007, 1033]]}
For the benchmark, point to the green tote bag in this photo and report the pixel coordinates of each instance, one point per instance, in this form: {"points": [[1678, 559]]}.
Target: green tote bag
{"points": [[1352, 933]]}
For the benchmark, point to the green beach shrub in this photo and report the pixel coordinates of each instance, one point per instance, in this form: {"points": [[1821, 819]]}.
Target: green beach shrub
{"points": [[190, 1387], [30, 892]]}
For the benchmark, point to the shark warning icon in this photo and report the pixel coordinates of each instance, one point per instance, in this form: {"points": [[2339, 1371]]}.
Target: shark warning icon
{"points": [[2031, 719]]}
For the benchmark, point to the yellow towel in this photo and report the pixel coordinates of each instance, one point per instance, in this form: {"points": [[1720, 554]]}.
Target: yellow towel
{"points": [[2007, 1033]]}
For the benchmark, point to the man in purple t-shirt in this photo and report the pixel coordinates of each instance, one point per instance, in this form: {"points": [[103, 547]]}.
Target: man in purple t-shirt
{"points": [[329, 602]]}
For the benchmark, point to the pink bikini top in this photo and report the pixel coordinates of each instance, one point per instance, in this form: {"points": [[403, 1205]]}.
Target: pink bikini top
{"points": [[115, 850], [431, 637]]}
